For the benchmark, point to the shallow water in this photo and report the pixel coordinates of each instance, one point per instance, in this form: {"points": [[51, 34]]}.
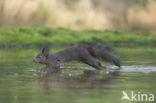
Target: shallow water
{"points": [[19, 83]]}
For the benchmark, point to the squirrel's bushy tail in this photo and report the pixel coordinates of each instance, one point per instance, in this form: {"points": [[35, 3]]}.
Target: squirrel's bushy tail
{"points": [[104, 53]]}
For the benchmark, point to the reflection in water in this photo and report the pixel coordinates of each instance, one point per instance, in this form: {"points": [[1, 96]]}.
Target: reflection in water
{"points": [[88, 79], [75, 86]]}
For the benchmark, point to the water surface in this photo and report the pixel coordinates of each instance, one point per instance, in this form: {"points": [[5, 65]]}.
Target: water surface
{"points": [[19, 83]]}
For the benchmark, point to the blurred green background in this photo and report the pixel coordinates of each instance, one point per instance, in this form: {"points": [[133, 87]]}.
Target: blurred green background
{"points": [[26, 22]]}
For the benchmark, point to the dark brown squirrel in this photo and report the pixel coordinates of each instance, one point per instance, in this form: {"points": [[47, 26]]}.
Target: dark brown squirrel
{"points": [[85, 54]]}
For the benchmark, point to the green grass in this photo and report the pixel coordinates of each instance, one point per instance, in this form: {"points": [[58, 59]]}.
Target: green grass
{"points": [[45, 35]]}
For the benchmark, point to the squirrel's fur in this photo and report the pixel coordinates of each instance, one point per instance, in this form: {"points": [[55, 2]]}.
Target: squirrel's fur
{"points": [[85, 54]]}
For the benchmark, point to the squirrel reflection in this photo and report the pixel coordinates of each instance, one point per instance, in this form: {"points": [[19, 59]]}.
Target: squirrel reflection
{"points": [[87, 79]]}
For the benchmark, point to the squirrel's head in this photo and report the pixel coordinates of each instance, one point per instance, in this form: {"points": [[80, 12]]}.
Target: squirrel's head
{"points": [[42, 57]]}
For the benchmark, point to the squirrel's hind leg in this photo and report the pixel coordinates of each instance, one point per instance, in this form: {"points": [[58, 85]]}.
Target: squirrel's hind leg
{"points": [[92, 62]]}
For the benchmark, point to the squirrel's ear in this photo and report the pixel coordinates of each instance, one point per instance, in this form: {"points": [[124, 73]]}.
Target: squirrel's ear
{"points": [[45, 50]]}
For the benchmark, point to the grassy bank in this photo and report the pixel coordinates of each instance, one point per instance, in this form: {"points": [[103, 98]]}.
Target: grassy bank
{"points": [[44, 35]]}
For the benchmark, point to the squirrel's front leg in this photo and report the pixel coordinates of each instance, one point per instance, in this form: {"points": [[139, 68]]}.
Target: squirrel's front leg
{"points": [[53, 68]]}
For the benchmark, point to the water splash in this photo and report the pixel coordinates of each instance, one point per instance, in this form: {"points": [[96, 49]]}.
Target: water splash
{"points": [[147, 69]]}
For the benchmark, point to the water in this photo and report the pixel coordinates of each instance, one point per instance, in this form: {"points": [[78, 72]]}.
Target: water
{"points": [[19, 83]]}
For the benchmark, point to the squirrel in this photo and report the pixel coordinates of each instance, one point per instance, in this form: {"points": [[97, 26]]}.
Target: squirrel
{"points": [[83, 53]]}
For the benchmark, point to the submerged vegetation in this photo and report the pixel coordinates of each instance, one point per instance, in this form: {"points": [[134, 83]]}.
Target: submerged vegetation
{"points": [[45, 35]]}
